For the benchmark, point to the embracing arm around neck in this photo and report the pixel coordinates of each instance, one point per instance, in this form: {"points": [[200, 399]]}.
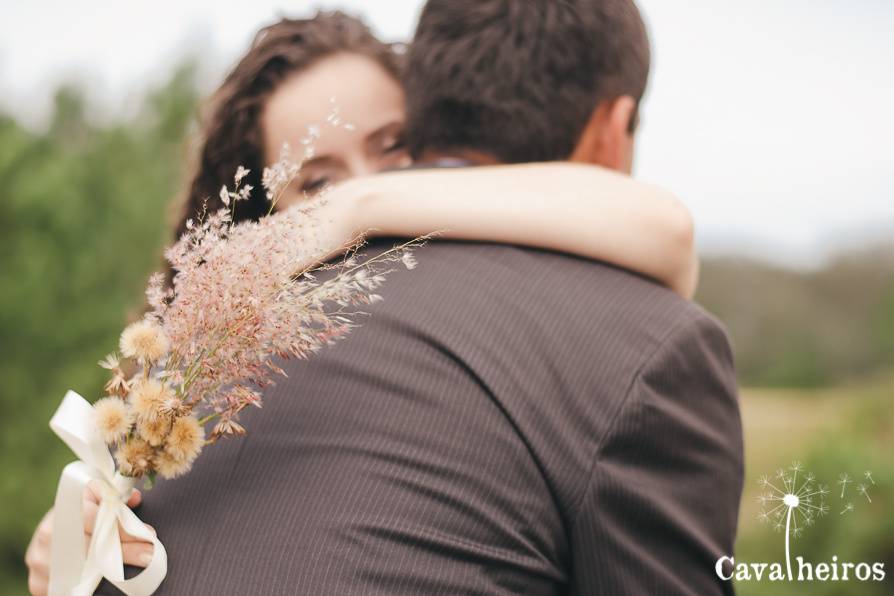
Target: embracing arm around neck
{"points": [[584, 210]]}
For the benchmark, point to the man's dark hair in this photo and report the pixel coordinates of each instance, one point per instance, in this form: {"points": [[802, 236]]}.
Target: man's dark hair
{"points": [[519, 79]]}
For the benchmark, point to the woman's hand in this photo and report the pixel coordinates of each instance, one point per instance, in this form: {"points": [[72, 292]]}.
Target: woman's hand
{"points": [[37, 557], [337, 219]]}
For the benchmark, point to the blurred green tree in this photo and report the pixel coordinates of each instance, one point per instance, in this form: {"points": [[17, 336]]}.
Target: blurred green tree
{"points": [[81, 226], [805, 329]]}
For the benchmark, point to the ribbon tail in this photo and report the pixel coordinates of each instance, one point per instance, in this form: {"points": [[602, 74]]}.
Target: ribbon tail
{"points": [[72, 571], [67, 550], [148, 580], [105, 556]]}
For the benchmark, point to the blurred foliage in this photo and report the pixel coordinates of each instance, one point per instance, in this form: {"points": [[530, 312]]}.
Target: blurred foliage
{"points": [[852, 432], [81, 226], [805, 329], [82, 222]]}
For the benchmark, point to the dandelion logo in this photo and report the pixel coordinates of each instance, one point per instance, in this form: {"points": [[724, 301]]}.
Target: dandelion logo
{"points": [[792, 502], [844, 480]]}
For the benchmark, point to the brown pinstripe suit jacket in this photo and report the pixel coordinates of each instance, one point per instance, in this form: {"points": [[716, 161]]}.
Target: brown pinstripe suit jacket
{"points": [[507, 421]]}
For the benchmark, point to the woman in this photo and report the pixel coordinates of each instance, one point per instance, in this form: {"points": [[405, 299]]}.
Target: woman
{"points": [[284, 87]]}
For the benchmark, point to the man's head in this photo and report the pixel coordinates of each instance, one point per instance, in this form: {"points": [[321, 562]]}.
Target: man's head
{"points": [[527, 80]]}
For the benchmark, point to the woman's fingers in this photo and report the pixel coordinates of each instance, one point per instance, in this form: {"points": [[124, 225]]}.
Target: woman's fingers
{"points": [[37, 557], [94, 490], [135, 551], [90, 509], [137, 554], [136, 497], [91, 506], [44, 531], [90, 519], [37, 585], [125, 537]]}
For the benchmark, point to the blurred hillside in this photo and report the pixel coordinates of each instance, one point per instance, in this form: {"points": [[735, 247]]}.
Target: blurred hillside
{"points": [[805, 329], [81, 226]]}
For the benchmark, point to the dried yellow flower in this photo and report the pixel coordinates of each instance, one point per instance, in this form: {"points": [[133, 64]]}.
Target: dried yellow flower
{"points": [[113, 418], [169, 466], [186, 438], [149, 398], [145, 341], [154, 430], [134, 457], [117, 385]]}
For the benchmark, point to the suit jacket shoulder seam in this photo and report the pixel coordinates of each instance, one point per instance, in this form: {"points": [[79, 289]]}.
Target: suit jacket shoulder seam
{"points": [[692, 317]]}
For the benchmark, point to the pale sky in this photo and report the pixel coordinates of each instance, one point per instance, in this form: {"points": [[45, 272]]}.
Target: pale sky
{"points": [[771, 119]]}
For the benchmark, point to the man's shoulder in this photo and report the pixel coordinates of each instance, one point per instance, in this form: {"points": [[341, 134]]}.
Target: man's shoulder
{"points": [[545, 321], [441, 262], [555, 340], [509, 281]]}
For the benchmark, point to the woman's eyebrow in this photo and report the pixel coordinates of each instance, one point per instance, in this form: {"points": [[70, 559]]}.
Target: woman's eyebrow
{"points": [[318, 161]]}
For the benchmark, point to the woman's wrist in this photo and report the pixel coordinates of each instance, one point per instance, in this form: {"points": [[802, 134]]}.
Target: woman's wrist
{"points": [[372, 202], [350, 202]]}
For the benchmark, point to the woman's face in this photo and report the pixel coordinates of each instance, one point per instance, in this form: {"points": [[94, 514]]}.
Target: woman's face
{"points": [[366, 96]]}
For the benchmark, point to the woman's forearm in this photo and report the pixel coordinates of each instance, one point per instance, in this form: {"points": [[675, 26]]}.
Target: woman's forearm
{"points": [[579, 209]]}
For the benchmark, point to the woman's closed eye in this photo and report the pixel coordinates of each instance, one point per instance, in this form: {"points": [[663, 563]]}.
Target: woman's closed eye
{"points": [[314, 184], [390, 149], [316, 176], [394, 144]]}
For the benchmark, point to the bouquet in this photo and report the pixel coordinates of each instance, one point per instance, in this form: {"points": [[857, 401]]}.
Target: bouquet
{"points": [[244, 297]]}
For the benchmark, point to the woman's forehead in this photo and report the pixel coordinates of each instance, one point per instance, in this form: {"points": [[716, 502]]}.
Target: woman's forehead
{"points": [[365, 95]]}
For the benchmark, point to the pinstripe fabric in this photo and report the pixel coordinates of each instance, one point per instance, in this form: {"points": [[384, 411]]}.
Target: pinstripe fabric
{"points": [[506, 421]]}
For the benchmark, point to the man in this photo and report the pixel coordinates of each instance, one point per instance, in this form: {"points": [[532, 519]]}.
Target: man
{"points": [[507, 420]]}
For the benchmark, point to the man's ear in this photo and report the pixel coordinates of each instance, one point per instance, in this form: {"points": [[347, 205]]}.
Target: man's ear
{"points": [[607, 139]]}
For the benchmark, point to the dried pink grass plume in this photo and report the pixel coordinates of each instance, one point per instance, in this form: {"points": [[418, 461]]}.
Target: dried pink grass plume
{"points": [[244, 297]]}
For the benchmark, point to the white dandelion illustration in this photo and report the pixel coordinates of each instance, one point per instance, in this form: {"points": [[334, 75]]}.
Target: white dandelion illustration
{"points": [[868, 475], [844, 480], [847, 508], [792, 504], [864, 490]]}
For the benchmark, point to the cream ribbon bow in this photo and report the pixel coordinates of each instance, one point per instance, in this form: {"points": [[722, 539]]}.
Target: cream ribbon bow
{"points": [[72, 572]]}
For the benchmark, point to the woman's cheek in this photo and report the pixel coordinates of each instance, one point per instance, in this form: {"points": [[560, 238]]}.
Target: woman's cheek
{"points": [[289, 198]]}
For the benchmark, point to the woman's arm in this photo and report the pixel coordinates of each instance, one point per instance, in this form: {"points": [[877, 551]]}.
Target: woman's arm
{"points": [[579, 209]]}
